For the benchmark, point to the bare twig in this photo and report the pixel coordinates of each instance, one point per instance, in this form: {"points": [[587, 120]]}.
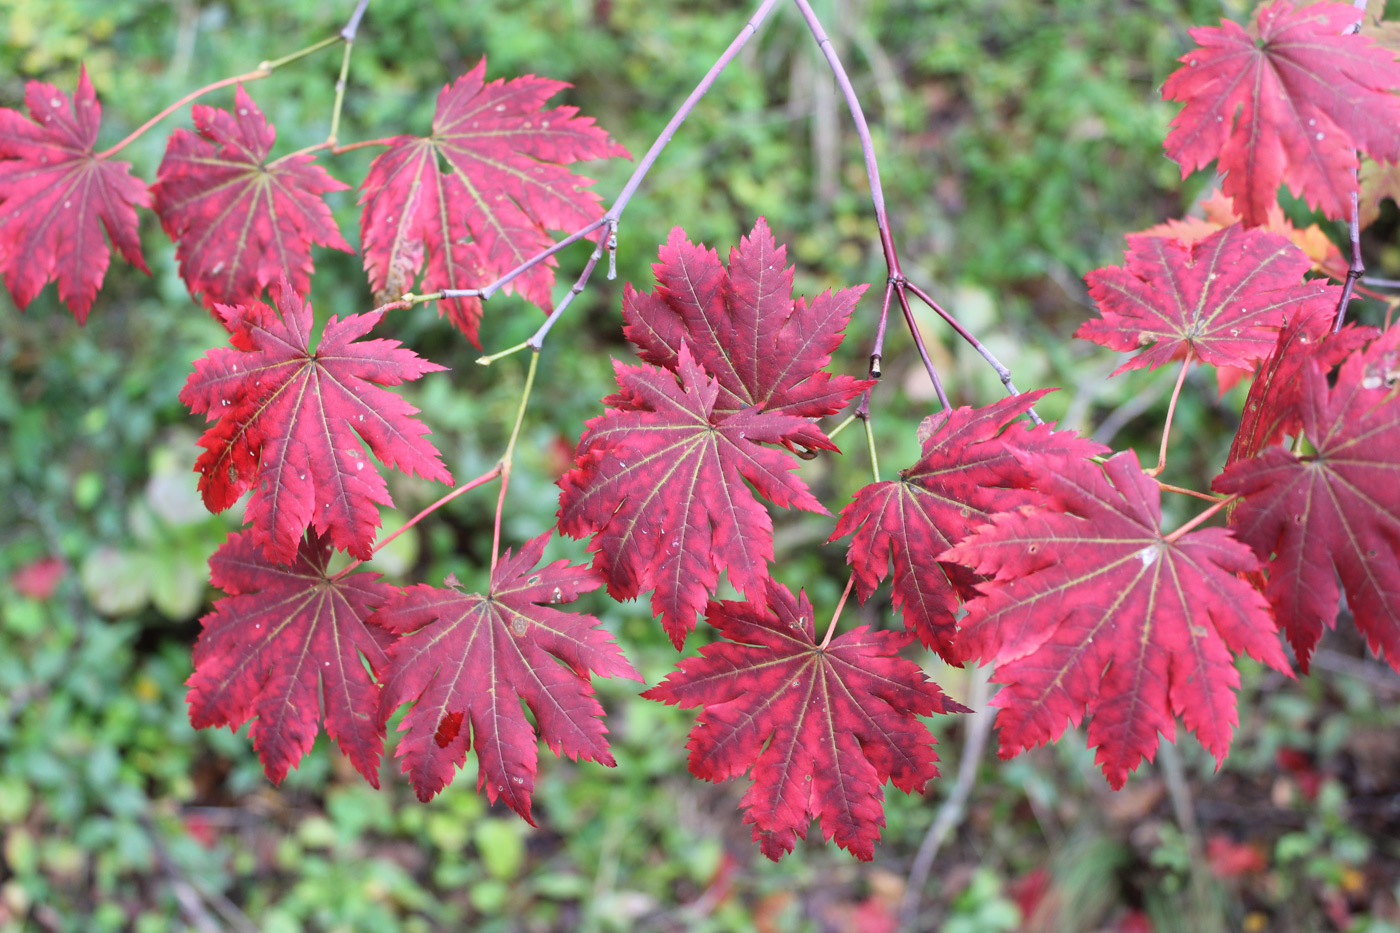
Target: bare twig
{"points": [[1356, 267], [950, 815]]}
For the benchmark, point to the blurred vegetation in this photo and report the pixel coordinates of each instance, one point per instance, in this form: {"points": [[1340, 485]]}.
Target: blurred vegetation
{"points": [[1018, 140]]}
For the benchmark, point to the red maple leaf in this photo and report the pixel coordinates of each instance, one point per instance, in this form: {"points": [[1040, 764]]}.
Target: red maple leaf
{"points": [[968, 471], [291, 421], [239, 222], [667, 459], [1095, 610], [466, 661], [763, 347], [1334, 513], [505, 188], [57, 196], [287, 648], [660, 486], [823, 728], [1223, 297], [1290, 104]]}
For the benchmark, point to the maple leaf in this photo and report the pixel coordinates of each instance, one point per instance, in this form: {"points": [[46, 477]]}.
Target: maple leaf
{"points": [[57, 196], [505, 188], [291, 420], [1290, 106], [1095, 610], [287, 648], [659, 483], [761, 345], [822, 728], [1334, 513], [466, 661], [1223, 297], [969, 470], [239, 222]]}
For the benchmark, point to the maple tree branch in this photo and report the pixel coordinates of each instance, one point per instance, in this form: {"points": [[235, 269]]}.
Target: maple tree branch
{"points": [[1002, 372], [614, 213], [484, 478], [509, 456], [1171, 410], [877, 352], [340, 84], [950, 814], [536, 340], [1382, 283], [923, 351], [1204, 516], [312, 49], [867, 147], [262, 71], [353, 26], [1356, 266], [746, 33], [831, 628]]}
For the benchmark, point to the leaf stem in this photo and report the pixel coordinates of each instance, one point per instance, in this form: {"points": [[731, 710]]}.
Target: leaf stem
{"points": [[509, 456], [312, 49], [831, 435], [870, 443], [260, 72], [486, 477], [1171, 410], [1204, 516], [1168, 487], [831, 628], [340, 84]]}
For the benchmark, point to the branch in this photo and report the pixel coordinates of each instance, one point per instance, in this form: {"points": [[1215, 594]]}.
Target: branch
{"points": [[614, 213], [950, 815], [1356, 267], [897, 280]]}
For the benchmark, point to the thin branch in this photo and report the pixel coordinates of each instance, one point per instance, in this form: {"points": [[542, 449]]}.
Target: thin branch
{"points": [[867, 147], [923, 351], [1002, 372], [609, 235], [1356, 266], [353, 26], [614, 214], [1381, 283], [950, 814]]}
